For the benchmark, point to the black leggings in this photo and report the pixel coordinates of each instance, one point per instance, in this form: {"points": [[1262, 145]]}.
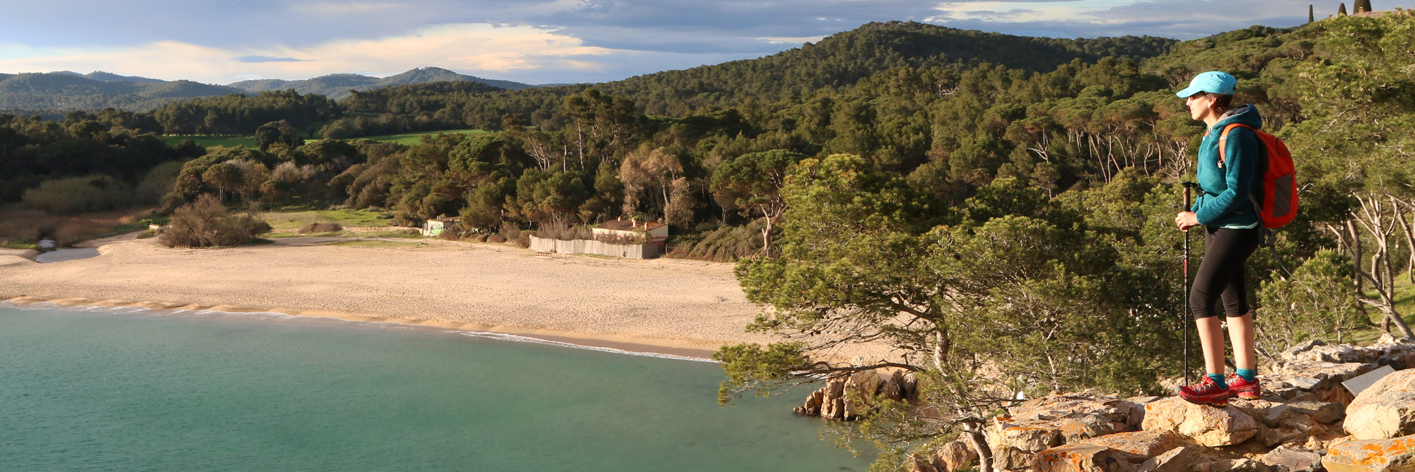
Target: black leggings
{"points": [[1226, 254]]}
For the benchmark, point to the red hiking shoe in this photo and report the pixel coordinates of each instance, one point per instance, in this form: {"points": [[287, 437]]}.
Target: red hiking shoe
{"points": [[1243, 388], [1206, 393]]}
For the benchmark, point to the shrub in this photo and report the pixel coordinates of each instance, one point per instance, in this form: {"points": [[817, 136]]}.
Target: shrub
{"points": [[725, 244], [323, 227], [206, 222], [450, 234], [1318, 302], [509, 231], [524, 239], [158, 182], [496, 238], [78, 195], [562, 231]]}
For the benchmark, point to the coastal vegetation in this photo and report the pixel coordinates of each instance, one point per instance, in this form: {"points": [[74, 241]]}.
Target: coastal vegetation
{"points": [[997, 209], [206, 222]]}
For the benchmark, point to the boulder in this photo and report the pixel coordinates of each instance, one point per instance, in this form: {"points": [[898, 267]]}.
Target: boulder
{"points": [[955, 455], [1081, 458], [859, 390], [1372, 455], [1053, 420], [911, 388], [922, 464], [1292, 428], [1064, 405], [1207, 425], [1142, 444], [893, 388], [1173, 460], [1385, 410], [1323, 412], [1011, 458], [833, 399], [812, 407], [1029, 435], [1293, 460]]}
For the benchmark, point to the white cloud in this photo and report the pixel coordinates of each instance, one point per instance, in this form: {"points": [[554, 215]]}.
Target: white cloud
{"points": [[468, 48], [1025, 11], [792, 40]]}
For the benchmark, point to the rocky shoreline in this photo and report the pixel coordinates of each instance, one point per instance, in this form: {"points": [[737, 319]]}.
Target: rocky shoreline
{"points": [[1306, 420]]}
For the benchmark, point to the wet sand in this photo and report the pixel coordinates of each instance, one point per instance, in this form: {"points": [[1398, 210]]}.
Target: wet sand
{"points": [[678, 307]]}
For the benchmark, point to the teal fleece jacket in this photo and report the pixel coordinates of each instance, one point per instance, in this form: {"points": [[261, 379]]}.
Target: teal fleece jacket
{"points": [[1224, 200]]}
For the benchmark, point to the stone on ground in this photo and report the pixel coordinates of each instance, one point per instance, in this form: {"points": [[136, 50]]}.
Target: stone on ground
{"points": [[1293, 460], [1206, 425], [1081, 458], [1372, 455], [1385, 410]]}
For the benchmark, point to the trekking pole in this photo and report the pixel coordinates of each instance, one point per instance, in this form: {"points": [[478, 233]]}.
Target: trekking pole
{"points": [[1186, 315]]}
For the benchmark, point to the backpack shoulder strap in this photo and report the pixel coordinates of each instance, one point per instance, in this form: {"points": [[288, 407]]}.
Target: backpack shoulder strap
{"points": [[1223, 139]]}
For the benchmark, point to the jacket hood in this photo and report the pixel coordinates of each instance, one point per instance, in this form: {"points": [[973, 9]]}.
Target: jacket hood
{"points": [[1244, 115]]}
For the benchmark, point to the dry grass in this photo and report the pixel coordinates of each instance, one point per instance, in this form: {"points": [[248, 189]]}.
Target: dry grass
{"points": [[24, 228]]}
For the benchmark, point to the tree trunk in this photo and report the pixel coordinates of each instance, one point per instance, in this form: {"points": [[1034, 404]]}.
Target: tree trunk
{"points": [[980, 445], [1405, 228]]}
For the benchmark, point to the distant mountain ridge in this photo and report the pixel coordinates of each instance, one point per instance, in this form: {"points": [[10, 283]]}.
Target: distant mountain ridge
{"points": [[70, 90], [337, 86]]}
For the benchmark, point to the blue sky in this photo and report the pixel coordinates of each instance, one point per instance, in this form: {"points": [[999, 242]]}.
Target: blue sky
{"points": [[537, 41]]}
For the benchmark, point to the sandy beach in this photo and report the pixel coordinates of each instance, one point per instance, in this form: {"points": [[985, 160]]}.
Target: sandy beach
{"points": [[669, 306]]}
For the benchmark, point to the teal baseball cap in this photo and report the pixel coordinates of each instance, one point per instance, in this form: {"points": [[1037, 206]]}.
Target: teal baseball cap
{"points": [[1212, 82]]}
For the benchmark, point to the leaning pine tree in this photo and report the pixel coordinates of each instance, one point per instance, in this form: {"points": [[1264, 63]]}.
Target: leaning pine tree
{"points": [[1015, 284]]}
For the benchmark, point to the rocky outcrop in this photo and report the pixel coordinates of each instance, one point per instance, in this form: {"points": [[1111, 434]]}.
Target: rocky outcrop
{"points": [[1373, 455], [1287, 459], [1174, 460], [1140, 444], [955, 455], [1209, 426], [1298, 426], [1385, 410], [1314, 371], [950, 457], [1081, 458], [848, 397], [1042, 423]]}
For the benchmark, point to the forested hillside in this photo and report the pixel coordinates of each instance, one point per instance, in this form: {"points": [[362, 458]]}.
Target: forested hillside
{"points": [[835, 62], [59, 92], [69, 91]]}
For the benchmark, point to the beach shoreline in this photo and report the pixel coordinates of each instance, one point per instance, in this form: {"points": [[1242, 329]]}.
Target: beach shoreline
{"points": [[618, 343], [662, 306]]}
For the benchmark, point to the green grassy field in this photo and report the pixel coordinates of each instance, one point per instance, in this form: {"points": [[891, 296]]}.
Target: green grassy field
{"points": [[416, 138], [249, 141], [213, 141], [300, 219]]}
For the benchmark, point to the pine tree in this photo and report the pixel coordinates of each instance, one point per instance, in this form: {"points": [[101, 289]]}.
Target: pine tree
{"points": [[1362, 6], [1341, 11]]}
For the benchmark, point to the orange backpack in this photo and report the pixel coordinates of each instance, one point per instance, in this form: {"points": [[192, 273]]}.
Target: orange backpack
{"points": [[1278, 204]]}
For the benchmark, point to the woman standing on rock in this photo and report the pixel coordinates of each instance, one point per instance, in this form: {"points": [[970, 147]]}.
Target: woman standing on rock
{"points": [[1231, 234]]}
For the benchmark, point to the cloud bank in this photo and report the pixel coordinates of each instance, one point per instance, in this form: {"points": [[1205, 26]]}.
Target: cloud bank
{"points": [[535, 41]]}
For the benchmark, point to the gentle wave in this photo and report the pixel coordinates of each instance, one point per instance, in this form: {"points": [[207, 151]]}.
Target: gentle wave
{"points": [[382, 324]]}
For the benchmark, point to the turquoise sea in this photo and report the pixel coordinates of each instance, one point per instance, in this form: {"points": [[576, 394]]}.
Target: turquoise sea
{"points": [[203, 391]]}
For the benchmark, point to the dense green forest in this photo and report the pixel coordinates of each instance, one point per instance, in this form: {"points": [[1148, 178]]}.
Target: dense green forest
{"points": [[950, 193]]}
